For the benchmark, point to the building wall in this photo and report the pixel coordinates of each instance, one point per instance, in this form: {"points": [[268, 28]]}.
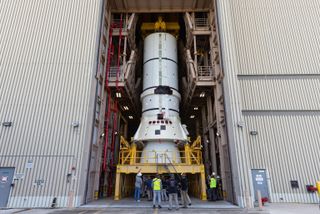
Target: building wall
{"points": [[47, 81], [270, 55]]}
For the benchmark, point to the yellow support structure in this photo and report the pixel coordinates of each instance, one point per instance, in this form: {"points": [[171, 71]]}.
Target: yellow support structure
{"points": [[129, 163], [160, 25], [187, 153], [117, 191], [203, 184], [133, 153], [318, 187]]}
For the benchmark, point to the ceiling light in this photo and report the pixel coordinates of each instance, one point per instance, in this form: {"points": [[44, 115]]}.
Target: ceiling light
{"points": [[195, 108], [192, 116], [130, 117], [203, 94], [118, 94], [126, 108]]}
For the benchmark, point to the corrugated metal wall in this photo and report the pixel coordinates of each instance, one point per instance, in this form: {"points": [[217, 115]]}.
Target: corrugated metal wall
{"points": [[287, 146], [270, 51], [48, 64], [280, 93]]}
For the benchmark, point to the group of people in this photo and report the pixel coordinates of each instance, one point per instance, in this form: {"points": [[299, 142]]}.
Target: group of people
{"points": [[163, 188]]}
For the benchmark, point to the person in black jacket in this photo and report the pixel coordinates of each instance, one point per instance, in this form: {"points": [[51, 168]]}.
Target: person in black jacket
{"points": [[164, 196], [185, 199], [172, 187]]}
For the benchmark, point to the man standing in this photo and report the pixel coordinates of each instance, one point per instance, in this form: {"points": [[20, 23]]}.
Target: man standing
{"points": [[149, 188], [157, 186], [213, 188], [173, 192], [138, 185], [184, 191], [164, 196]]}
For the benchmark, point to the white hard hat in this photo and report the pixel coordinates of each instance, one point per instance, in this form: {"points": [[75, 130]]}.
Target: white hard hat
{"points": [[213, 173]]}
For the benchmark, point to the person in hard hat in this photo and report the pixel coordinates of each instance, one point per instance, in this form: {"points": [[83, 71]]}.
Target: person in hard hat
{"points": [[138, 185], [156, 186], [185, 199], [212, 188], [173, 191]]}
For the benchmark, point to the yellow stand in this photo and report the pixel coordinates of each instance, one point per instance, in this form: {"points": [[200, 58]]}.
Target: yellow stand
{"points": [[191, 163]]}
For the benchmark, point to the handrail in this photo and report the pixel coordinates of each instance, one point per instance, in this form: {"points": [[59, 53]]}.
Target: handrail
{"points": [[130, 155], [205, 73], [201, 23], [115, 73]]}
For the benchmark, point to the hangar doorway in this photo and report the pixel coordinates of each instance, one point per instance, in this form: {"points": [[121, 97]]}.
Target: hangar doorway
{"points": [[202, 106]]}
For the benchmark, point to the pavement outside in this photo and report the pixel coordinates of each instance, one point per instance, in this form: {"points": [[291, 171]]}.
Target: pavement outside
{"points": [[129, 206]]}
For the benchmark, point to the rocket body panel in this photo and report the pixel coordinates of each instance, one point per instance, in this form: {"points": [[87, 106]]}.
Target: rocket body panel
{"points": [[160, 64], [160, 72], [160, 45], [154, 102], [152, 129], [160, 99], [160, 152]]}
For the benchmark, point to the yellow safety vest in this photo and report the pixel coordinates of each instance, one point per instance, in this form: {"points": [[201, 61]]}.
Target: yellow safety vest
{"points": [[156, 184], [213, 183]]}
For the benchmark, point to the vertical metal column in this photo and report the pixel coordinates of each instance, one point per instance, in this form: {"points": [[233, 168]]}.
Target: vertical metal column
{"points": [[219, 110], [117, 194], [211, 135], [205, 140]]}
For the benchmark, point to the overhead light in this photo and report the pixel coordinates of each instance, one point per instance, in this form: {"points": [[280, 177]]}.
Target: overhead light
{"points": [[203, 94], [118, 94], [195, 108], [130, 117], [191, 116], [126, 108]]}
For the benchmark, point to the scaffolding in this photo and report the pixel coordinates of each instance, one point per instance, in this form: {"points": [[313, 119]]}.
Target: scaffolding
{"points": [[189, 162]]}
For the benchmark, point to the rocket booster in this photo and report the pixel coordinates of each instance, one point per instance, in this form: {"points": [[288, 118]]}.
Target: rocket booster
{"points": [[160, 128]]}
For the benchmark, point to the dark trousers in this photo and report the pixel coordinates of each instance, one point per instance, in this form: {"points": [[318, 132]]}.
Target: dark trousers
{"points": [[213, 194]]}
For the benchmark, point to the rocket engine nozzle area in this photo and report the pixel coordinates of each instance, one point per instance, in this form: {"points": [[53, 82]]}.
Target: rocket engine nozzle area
{"points": [[160, 98]]}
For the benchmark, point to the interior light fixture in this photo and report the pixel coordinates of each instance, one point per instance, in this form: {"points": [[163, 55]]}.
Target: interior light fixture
{"points": [[203, 94], [195, 108], [126, 108], [130, 117], [118, 94], [191, 116]]}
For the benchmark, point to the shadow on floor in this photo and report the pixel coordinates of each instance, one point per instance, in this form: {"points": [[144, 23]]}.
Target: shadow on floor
{"points": [[131, 203]]}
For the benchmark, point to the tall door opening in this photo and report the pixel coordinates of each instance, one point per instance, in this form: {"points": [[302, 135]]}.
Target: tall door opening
{"points": [[199, 75]]}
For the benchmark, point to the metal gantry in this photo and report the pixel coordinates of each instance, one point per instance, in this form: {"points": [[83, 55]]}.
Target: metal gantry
{"points": [[191, 163]]}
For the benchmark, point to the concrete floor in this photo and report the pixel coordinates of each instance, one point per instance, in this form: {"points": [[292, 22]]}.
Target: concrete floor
{"points": [[128, 211], [130, 203], [129, 206]]}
